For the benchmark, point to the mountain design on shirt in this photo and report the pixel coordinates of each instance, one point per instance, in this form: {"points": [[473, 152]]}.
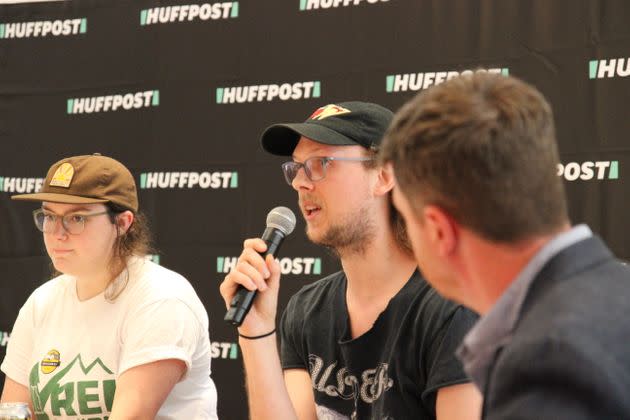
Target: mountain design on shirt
{"points": [[85, 390]]}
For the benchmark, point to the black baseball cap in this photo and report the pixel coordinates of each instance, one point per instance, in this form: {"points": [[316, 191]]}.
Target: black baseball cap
{"points": [[340, 124]]}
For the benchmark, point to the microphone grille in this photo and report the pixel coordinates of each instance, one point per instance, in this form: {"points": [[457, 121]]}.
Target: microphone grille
{"points": [[281, 218]]}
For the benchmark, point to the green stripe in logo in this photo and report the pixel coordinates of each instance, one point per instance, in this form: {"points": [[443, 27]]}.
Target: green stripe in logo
{"points": [[302, 4], [317, 267], [70, 105], [592, 69], [614, 170], [389, 83], [219, 95], [234, 180], [143, 180], [156, 98], [2, 30], [505, 71], [1, 183], [234, 12], [83, 25], [143, 17], [220, 264], [317, 90], [233, 351]]}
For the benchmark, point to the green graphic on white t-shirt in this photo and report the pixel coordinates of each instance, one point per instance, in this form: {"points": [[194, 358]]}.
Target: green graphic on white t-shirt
{"points": [[90, 394]]}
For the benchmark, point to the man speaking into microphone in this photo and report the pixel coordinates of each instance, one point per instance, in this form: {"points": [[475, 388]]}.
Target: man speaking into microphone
{"points": [[371, 341]]}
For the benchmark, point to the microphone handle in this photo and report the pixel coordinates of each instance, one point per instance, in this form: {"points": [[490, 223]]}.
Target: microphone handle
{"points": [[244, 298]]}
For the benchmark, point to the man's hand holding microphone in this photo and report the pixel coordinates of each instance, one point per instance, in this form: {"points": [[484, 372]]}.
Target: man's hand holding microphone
{"points": [[250, 290]]}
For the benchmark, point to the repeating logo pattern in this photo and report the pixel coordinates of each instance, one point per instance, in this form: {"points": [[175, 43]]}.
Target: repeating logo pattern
{"points": [[606, 69], [188, 180], [189, 13], [118, 102], [419, 81], [589, 170], [43, 28], [267, 93]]}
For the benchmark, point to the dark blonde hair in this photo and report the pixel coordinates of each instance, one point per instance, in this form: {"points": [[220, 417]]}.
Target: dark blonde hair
{"points": [[396, 221], [483, 148], [136, 241]]}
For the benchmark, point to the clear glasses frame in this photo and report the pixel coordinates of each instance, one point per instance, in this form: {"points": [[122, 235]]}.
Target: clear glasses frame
{"points": [[73, 223], [315, 167]]}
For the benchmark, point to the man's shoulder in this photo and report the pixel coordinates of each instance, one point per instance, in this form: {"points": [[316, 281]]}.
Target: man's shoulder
{"points": [[316, 304], [431, 307], [593, 294], [324, 288], [581, 311], [571, 336]]}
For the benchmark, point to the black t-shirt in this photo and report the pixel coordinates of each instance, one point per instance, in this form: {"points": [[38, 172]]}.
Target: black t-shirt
{"points": [[394, 370]]}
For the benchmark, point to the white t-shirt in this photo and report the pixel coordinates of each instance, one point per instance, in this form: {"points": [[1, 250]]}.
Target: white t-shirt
{"points": [[69, 353]]}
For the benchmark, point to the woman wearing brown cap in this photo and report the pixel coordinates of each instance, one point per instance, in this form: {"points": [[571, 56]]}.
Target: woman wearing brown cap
{"points": [[113, 335]]}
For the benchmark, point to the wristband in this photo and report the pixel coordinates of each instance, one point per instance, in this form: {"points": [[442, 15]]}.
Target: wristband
{"points": [[256, 337]]}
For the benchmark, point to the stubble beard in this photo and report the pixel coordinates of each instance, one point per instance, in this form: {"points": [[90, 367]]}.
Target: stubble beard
{"points": [[351, 236]]}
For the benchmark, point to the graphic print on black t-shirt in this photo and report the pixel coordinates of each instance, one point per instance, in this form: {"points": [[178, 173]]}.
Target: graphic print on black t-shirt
{"points": [[339, 382], [391, 372]]}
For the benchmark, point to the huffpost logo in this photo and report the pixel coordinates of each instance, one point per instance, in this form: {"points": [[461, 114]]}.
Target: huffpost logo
{"points": [[4, 338], [614, 67], [43, 28], [328, 4], [418, 81], [153, 258], [586, 171], [260, 93], [299, 265], [189, 13], [20, 185], [125, 101], [223, 350], [181, 180]]}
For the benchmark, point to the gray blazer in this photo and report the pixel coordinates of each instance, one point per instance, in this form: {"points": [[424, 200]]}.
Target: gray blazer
{"points": [[569, 356]]}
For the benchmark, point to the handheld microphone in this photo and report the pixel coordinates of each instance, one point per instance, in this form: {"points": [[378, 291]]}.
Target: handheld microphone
{"points": [[280, 223]]}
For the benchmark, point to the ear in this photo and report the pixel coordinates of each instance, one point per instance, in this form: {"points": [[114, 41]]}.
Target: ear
{"points": [[442, 229], [124, 221], [385, 179]]}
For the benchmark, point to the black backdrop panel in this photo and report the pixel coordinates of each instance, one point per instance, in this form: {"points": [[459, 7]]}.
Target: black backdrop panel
{"points": [[204, 182]]}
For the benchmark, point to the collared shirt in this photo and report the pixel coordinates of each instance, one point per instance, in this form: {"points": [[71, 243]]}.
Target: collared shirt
{"points": [[494, 330]]}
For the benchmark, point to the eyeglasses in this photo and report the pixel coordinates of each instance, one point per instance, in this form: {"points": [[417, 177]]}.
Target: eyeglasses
{"points": [[72, 223], [315, 167]]}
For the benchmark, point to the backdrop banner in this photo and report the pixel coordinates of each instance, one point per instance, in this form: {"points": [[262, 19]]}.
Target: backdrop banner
{"points": [[180, 92]]}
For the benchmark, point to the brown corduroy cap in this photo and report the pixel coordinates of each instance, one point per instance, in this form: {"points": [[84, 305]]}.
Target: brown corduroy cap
{"points": [[87, 179]]}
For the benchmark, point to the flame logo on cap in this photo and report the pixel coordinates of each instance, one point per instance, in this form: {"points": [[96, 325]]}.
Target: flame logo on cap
{"points": [[328, 111], [63, 176]]}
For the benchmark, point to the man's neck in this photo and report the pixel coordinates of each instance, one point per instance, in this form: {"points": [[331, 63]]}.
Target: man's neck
{"points": [[504, 266], [378, 272], [374, 276]]}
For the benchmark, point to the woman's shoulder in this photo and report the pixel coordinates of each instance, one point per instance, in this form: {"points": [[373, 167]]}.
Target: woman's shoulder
{"points": [[157, 282], [50, 293], [54, 287], [151, 284]]}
